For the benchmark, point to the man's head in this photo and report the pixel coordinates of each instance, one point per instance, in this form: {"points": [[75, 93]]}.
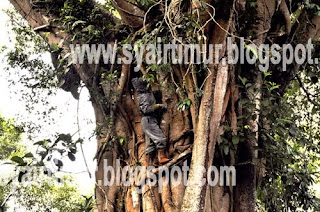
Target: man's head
{"points": [[140, 85]]}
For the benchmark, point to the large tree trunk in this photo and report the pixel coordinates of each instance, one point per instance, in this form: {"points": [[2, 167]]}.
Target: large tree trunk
{"points": [[194, 134]]}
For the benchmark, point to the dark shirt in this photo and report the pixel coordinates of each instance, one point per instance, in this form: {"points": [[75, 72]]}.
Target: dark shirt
{"points": [[146, 102]]}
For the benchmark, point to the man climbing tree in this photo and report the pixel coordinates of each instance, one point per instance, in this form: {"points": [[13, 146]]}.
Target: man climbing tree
{"points": [[149, 123]]}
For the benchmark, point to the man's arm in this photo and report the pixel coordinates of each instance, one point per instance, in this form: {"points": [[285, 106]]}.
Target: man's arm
{"points": [[156, 106], [147, 103]]}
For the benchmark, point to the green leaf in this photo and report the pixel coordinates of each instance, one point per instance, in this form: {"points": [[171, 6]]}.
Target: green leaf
{"points": [[88, 28], [226, 149], [68, 17], [267, 73], [232, 152], [80, 140], [17, 159], [58, 162], [54, 47], [314, 110], [122, 141], [274, 87], [47, 171], [40, 143], [73, 150], [248, 85], [243, 80], [76, 23], [253, 4], [235, 140], [71, 156], [43, 154], [21, 175], [253, 50], [65, 137], [246, 127], [28, 155]]}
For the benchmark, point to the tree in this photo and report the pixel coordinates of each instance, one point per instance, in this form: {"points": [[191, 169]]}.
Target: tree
{"points": [[9, 146], [217, 114], [47, 195], [9, 139], [43, 193]]}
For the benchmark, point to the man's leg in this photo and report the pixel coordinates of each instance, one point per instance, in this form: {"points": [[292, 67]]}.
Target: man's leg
{"points": [[150, 152], [151, 128], [150, 146]]}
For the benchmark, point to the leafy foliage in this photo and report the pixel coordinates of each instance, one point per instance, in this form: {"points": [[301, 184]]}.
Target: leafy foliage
{"points": [[29, 70], [85, 21], [47, 195], [291, 143], [26, 54], [43, 193], [10, 136]]}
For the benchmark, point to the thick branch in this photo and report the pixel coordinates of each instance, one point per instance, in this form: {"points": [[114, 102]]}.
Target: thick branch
{"points": [[307, 27], [130, 13]]}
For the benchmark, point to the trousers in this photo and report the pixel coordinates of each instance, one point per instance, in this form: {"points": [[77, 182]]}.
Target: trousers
{"points": [[151, 129]]}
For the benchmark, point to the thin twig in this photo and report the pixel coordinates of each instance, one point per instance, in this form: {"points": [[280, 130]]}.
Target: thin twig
{"points": [[306, 92], [78, 124]]}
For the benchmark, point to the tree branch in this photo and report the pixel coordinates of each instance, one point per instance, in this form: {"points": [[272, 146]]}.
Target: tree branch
{"points": [[306, 92]]}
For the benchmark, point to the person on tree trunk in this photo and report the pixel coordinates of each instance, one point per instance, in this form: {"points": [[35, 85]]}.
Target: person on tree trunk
{"points": [[149, 123]]}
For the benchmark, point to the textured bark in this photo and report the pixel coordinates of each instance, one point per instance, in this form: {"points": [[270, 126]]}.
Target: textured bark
{"points": [[203, 147]]}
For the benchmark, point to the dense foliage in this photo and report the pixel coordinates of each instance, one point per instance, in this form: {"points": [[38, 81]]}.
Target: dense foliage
{"points": [[40, 192], [45, 194], [10, 139]]}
